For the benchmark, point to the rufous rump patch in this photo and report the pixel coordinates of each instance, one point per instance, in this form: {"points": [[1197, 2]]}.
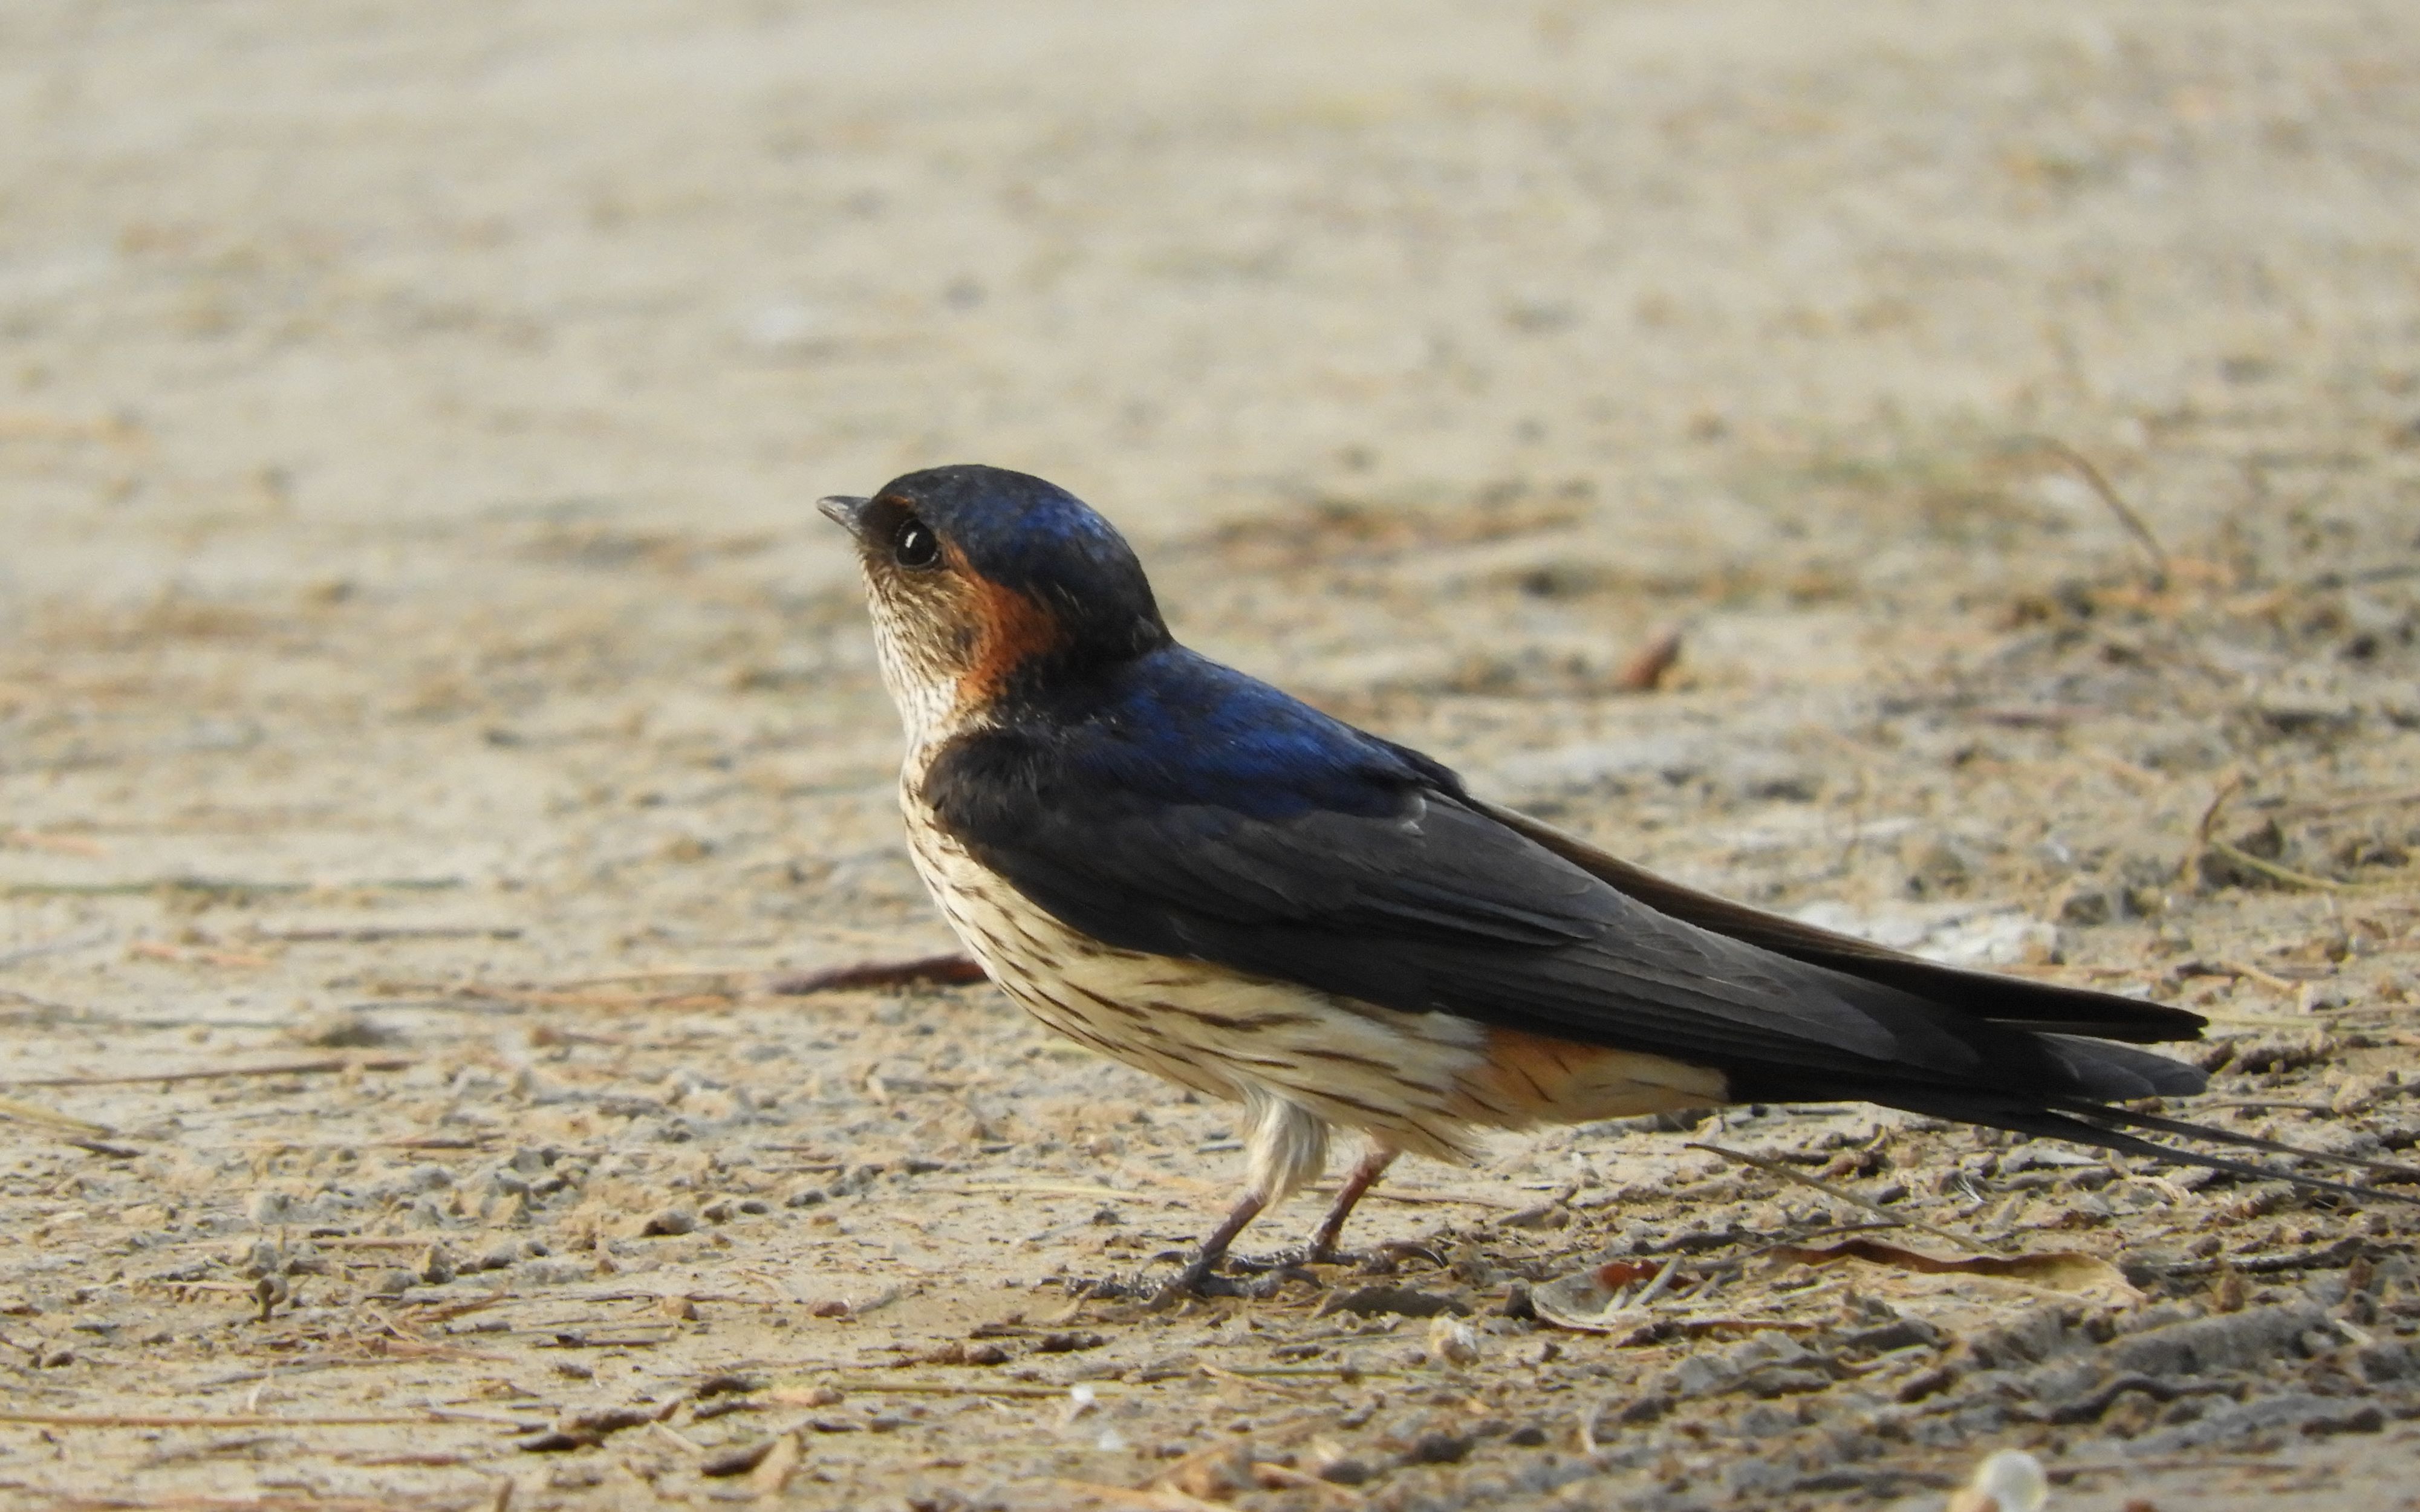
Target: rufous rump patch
{"points": [[1540, 1078]]}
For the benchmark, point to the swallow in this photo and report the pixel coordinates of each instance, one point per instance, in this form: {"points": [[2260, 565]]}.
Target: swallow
{"points": [[1195, 873]]}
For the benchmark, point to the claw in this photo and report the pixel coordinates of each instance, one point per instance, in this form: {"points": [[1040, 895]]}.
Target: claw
{"points": [[1406, 1249]]}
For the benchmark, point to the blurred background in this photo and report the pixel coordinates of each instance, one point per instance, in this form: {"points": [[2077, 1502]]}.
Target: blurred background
{"points": [[277, 278]]}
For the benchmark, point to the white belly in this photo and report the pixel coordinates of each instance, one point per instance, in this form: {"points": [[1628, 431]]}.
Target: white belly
{"points": [[1400, 1077]]}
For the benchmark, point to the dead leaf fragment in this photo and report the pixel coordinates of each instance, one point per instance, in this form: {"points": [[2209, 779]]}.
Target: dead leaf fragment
{"points": [[1604, 1299]]}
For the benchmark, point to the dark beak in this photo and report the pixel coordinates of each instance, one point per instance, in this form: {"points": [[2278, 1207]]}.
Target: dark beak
{"points": [[844, 510]]}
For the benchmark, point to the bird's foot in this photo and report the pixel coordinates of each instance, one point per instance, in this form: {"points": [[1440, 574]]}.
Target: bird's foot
{"points": [[1199, 1277], [1258, 1277], [1380, 1260]]}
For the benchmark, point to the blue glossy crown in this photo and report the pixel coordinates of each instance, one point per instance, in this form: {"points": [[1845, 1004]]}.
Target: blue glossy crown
{"points": [[1035, 537]]}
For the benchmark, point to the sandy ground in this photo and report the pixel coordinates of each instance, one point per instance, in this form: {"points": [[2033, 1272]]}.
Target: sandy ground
{"points": [[430, 714]]}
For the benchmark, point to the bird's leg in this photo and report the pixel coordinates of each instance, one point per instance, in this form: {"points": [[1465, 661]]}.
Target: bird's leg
{"points": [[1322, 1250], [1214, 1249], [1285, 1144], [1365, 1176]]}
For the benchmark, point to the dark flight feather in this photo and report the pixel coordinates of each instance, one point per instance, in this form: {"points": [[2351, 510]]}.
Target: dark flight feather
{"points": [[1176, 807], [2010, 1000]]}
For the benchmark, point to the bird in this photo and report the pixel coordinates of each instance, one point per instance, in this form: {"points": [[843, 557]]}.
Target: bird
{"points": [[1193, 873]]}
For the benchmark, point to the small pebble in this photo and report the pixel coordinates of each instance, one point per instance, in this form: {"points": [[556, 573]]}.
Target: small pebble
{"points": [[730, 1383], [343, 1030], [1438, 1449], [2009, 1481], [1452, 1342], [551, 1272], [668, 1222], [737, 1460]]}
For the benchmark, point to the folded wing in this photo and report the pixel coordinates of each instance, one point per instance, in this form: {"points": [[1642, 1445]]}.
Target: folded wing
{"points": [[1208, 816]]}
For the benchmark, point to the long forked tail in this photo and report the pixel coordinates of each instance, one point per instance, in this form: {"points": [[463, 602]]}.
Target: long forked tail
{"points": [[2100, 1125], [2133, 1118], [2078, 1028]]}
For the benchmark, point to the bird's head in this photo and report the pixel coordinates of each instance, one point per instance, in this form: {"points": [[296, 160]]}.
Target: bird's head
{"points": [[988, 586]]}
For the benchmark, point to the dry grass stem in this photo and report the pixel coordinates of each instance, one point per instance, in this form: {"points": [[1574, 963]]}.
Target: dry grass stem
{"points": [[1775, 1167], [329, 1065]]}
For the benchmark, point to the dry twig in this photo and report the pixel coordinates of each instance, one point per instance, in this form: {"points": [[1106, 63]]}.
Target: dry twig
{"points": [[2099, 482], [948, 970], [946, 1388], [291, 1068], [230, 886], [237, 1420], [2206, 836], [2269, 979], [34, 952], [34, 1113], [191, 955], [372, 933]]}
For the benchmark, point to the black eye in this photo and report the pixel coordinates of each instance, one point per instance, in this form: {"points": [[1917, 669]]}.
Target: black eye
{"points": [[913, 545]]}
